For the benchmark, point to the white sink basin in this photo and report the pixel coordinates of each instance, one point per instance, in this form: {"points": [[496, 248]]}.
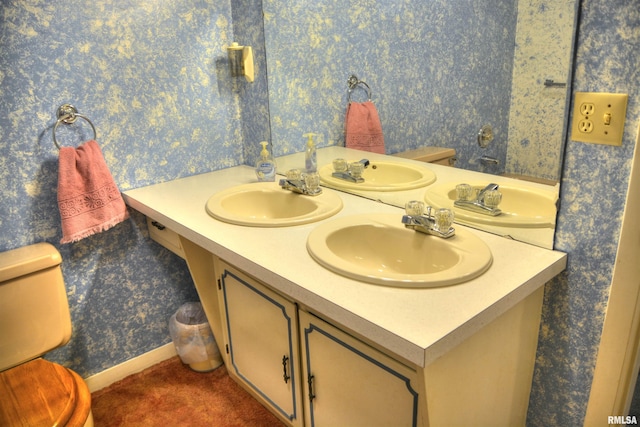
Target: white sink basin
{"points": [[265, 204], [378, 249], [383, 176], [520, 206]]}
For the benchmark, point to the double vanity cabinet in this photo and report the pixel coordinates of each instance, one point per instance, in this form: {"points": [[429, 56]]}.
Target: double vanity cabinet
{"points": [[305, 369], [320, 349]]}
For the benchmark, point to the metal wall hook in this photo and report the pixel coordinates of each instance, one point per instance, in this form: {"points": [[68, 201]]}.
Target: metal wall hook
{"points": [[68, 114], [353, 83]]}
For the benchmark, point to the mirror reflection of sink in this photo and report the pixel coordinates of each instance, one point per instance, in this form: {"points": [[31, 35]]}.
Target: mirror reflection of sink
{"points": [[265, 204], [378, 249], [383, 176], [520, 206]]}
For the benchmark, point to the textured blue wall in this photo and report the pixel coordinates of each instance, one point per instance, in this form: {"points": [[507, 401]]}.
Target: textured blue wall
{"points": [[432, 84], [152, 77], [593, 193], [544, 47]]}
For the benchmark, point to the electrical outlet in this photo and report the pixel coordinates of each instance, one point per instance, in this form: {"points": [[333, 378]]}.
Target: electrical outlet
{"points": [[587, 108], [599, 117], [585, 126]]}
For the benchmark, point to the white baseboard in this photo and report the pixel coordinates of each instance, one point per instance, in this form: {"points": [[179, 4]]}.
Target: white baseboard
{"points": [[131, 366]]}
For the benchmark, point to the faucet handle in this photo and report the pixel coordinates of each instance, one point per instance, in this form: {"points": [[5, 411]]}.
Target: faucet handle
{"points": [[293, 174], [339, 165], [356, 169], [312, 181], [414, 208], [492, 198], [443, 219], [465, 192]]}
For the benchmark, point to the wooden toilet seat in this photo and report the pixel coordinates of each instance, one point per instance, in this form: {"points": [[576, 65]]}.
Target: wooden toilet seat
{"points": [[42, 393]]}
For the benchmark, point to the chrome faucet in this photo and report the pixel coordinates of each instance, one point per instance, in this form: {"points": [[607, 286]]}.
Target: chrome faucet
{"points": [[351, 172], [487, 160], [307, 184], [436, 224], [486, 202]]}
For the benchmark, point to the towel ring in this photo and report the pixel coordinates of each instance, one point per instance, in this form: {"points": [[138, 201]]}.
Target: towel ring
{"points": [[353, 83], [68, 114]]}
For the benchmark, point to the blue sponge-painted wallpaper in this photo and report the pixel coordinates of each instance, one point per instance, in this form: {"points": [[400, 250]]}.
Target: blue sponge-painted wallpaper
{"points": [[152, 76], [544, 41], [594, 186], [153, 79], [437, 70]]}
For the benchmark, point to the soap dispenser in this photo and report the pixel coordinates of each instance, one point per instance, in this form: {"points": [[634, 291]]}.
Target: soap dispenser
{"points": [[266, 165], [310, 158]]}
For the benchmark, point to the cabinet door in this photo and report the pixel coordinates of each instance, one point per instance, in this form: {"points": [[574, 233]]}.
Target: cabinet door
{"points": [[263, 341], [351, 384]]}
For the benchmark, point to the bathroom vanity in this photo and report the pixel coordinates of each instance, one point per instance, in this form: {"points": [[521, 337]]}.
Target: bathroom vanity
{"points": [[320, 349]]}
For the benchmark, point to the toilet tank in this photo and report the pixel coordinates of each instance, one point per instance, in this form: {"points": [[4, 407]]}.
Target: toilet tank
{"points": [[34, 311]]}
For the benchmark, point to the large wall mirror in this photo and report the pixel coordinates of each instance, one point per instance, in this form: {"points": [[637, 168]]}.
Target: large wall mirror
{"points": [[438, 71]]}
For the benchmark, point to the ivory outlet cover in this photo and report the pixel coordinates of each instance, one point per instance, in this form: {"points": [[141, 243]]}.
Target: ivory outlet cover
{"points": [[599, 118]]}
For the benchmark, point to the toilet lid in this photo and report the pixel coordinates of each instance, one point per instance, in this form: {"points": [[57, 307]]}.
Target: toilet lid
{"points": [[40, 393]]}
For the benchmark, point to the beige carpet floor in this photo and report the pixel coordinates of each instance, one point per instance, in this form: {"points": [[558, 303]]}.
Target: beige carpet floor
{"points": [[170, 394]]}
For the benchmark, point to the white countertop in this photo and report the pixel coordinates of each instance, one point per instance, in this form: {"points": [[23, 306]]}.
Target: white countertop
{"points": [[416, 324]]}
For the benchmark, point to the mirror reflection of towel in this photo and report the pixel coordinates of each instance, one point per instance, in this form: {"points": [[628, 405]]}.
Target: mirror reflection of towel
{"points": [[363, 130], [88, 198]]}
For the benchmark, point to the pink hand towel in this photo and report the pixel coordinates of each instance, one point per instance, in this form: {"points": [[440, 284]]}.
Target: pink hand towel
{"points": [[363, 128], [88, 197]]}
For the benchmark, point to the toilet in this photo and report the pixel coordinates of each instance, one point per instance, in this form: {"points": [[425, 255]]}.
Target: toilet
{"points": [[34, 319], [437, 155]]}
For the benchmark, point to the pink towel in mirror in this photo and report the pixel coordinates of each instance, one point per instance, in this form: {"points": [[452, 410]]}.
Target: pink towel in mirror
{"points": [[363, 130]]}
